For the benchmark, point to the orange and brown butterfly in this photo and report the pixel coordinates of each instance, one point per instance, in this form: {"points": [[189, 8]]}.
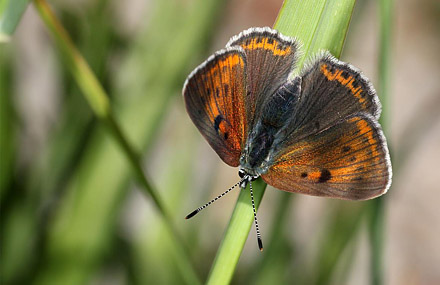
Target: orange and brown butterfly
{"points": [[316, 133]]}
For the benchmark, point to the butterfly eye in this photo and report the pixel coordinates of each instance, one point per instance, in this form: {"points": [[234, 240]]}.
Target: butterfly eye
{"points": [[241, 173]]}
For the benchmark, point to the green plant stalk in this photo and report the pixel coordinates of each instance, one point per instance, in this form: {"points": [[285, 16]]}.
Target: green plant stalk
{"points": [[318, 24], [11, 12], [377, 206], [99, 102], [236, 234]]}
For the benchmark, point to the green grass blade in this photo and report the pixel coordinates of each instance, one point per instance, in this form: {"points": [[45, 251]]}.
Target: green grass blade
{"points": [[7, 123], [92, 89], [10, 15], [318, 25], [236, 235]]}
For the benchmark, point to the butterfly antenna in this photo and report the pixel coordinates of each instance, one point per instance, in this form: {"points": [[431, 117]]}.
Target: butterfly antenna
{"points": [[260, 241], [193, 213]]}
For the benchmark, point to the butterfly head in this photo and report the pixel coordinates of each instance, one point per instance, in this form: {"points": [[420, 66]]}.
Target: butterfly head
{"points": [[246, 177]]}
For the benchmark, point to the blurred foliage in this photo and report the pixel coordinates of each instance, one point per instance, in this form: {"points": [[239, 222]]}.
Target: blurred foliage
{"points": [[11, 12], [60, 212]]}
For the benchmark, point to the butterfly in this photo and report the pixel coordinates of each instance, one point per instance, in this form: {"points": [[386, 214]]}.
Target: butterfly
{"points": [[316, 133]]}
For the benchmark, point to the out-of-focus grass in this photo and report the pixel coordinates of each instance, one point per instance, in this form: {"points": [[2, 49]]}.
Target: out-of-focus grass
{"points": [[152, 248], [7, 124], [10, 15], [53, 165], [100, 176], [8, 161], [377, 206], [87, 229]]}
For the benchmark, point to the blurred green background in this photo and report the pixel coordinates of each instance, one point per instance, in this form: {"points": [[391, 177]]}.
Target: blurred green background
{"points": [[71, 212]]}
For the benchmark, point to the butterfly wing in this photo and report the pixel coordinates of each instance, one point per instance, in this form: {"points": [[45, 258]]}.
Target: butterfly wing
{"points": [[270, 59], [331, 90], [333, 145], [349, 160], [214, 95]]}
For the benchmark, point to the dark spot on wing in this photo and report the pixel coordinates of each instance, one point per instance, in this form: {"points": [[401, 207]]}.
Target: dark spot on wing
{"points": [[217, 122], [217, 92], [226, 135], [359, 178], [346, 148], [270, 41], [325, 176], [304, 175], [353, 158]]}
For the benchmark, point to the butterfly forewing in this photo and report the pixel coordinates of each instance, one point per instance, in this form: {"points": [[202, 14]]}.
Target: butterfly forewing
{"points": [[214, 96], [349, 160], [270, 59]]}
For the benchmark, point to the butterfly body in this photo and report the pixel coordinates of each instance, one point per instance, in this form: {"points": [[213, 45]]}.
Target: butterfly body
{"points": [[270, 129], [315, 133]]}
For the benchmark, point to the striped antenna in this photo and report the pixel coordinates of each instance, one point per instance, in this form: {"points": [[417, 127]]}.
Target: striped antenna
{"points": [[193, 213], [260, 241]]}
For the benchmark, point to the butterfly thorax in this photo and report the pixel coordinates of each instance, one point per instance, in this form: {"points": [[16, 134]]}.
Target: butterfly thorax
{"points": [[275, 113], [255, 154]]}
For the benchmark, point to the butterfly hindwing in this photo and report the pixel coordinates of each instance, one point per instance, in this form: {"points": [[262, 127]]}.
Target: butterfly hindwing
{"points": [[349, 160], [270, 59], [214, 95]]}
